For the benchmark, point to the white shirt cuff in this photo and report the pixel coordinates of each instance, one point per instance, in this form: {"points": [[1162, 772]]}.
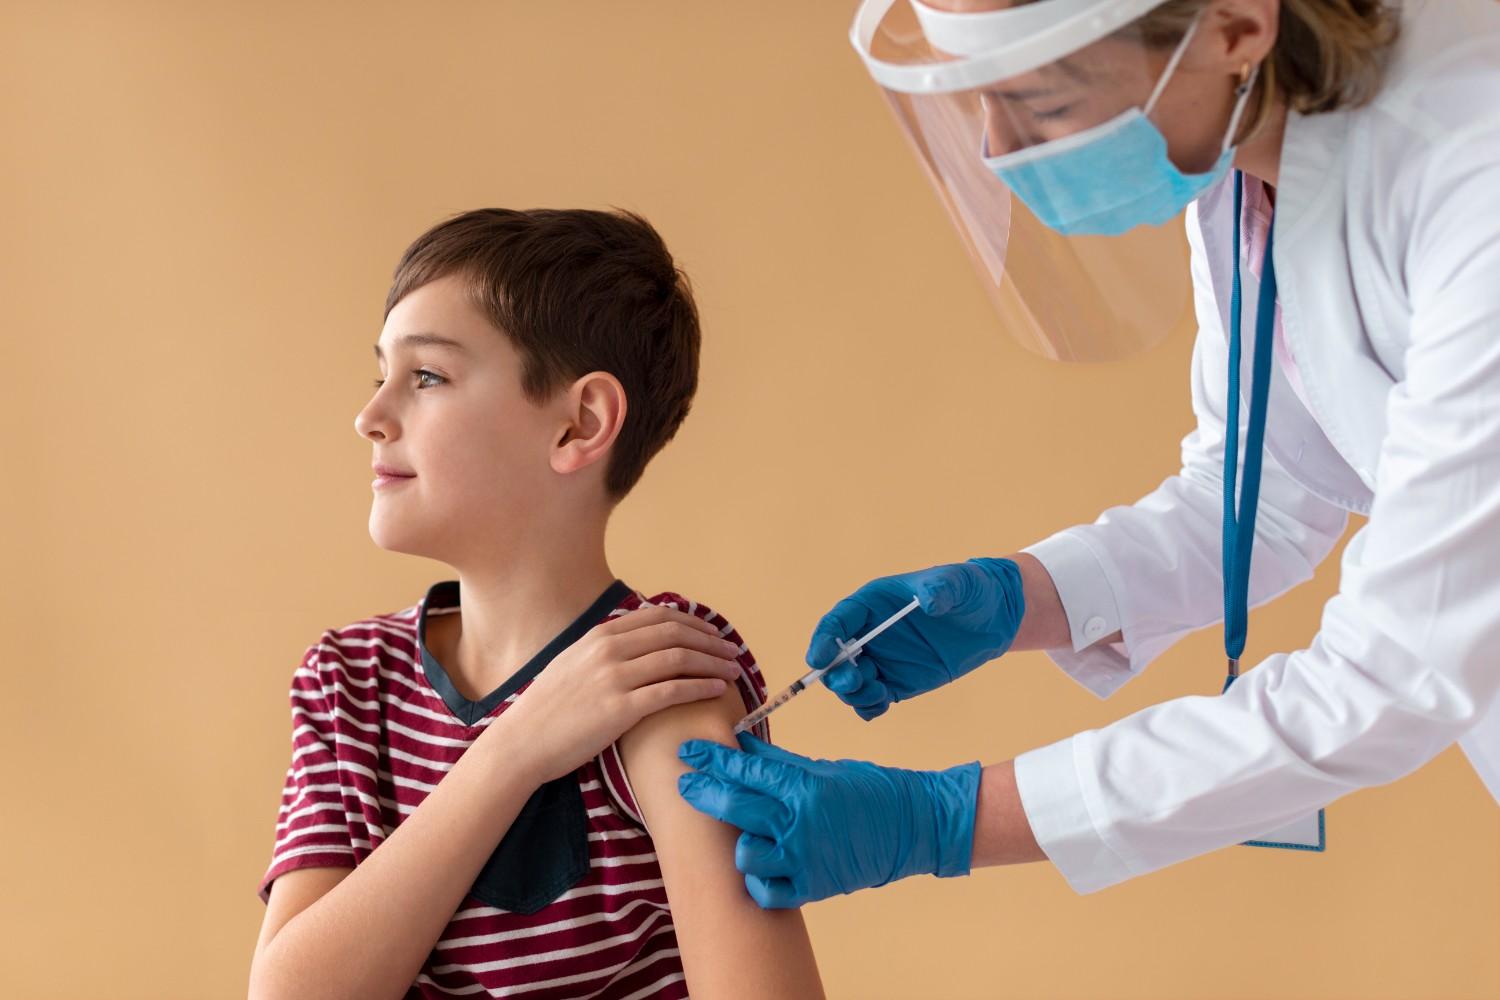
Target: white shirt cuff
{"points": [[1092, 611], [1056, 790]]}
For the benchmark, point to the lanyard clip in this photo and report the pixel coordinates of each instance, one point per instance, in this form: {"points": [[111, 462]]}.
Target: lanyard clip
{"points": [[1234, 667]]}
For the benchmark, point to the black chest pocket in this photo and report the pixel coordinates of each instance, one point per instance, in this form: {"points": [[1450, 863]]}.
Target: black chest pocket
{"points": [[543, 854]]}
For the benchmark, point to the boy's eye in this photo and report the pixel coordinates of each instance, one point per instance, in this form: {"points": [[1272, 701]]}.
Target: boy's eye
{"points": [[420, 373]]}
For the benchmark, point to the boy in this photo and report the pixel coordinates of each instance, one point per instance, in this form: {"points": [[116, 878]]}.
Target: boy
{"points": [[509, 743]]}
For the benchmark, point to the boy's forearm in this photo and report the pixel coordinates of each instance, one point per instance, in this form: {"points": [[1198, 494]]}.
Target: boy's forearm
{"points": [[369, 935]]}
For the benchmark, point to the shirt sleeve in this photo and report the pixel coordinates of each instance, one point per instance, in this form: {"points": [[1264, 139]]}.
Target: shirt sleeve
{"points": [[1150, 570], [1403, 664], [312, 830]]}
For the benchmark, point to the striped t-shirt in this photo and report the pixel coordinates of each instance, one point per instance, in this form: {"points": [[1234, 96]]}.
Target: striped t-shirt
{"points": [[376, 723]]}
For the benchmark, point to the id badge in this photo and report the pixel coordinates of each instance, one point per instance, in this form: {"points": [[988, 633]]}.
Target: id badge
{"points": [[1306, 833]]}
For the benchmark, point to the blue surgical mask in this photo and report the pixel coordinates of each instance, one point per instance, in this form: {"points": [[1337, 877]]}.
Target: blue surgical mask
{"points": [[1115, 176]]}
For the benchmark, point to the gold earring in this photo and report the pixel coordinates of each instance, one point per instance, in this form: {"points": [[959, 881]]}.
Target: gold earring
{"points": [[1244, 79]]}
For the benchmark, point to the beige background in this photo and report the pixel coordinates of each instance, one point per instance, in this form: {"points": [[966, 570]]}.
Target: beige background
{"points": [[201, 206]]}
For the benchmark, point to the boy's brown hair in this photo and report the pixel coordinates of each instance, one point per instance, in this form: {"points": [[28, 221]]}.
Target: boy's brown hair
{"points": [[577, 291]]}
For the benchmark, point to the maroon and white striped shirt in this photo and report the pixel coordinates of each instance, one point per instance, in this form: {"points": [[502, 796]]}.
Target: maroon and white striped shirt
{"points": [[376, 723]]}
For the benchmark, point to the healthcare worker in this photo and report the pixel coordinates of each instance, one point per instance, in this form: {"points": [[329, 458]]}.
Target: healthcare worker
{"points": [[1339, 163]]}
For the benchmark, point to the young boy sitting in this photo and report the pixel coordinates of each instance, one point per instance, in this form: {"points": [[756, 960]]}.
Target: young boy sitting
{"points": [[482, 798]]}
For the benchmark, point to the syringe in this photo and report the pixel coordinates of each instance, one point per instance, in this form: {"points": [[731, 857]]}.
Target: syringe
{"points": [[846, 653]]}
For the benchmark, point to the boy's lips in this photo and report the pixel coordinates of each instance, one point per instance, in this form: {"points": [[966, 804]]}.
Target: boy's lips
{"points": [[389, 475]]}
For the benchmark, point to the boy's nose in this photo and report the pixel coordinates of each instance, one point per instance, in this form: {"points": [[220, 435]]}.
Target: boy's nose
{"points": [[372, 424]]}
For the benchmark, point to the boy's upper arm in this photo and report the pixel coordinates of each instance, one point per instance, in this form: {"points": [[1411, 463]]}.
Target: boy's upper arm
{"points": [[312, 852], [290, 894], [726, 939], [312, 825]]}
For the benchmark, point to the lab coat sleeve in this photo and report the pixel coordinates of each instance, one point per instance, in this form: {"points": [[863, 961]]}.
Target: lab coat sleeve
{"points": [[1151, 570], [1404, 660]]}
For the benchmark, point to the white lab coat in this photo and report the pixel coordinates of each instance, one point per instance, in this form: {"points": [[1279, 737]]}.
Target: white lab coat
{"points": [[1387, 254]]}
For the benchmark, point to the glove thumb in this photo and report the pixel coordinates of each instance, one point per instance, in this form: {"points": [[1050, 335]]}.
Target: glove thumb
{"points": [[942, 591]]}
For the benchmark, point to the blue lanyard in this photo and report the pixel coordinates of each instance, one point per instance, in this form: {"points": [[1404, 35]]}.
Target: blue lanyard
{"points": [[1239, 531]]}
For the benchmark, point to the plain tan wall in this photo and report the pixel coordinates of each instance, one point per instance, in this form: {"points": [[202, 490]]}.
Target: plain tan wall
{"points": [[201, 206]]}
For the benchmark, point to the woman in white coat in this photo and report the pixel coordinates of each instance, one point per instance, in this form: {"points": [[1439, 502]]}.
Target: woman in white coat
{"points": [[1339, 161]]}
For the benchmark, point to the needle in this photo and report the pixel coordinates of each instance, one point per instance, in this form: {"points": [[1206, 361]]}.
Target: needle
{"points": [[846, 653]]}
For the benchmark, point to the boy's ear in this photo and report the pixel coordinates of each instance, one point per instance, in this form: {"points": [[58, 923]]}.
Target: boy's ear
{"points": [[593, 413]]}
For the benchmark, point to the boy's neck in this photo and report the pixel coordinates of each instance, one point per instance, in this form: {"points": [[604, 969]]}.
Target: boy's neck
{"points": [[510, 611]]}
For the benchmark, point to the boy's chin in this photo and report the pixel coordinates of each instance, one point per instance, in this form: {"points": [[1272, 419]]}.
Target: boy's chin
{"points": [[395, 537]]}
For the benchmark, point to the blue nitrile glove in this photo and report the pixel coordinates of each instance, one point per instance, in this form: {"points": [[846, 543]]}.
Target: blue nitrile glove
{"points": [[814, 828], [968, 614]]}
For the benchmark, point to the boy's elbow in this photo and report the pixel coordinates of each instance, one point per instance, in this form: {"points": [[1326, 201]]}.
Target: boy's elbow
{"points": [[274, 976], [262, 986], [268, 981], [271, 979], [270, 984]]}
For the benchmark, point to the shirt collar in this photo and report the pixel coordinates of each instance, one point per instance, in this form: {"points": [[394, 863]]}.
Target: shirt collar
{"points": [[444, 596]]}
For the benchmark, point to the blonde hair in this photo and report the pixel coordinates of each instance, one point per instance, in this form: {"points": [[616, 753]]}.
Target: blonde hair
{"points": [[1328, 54]]}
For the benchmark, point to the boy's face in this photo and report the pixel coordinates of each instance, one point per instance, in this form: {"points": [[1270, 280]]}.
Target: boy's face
{"points": [[456, 418]]}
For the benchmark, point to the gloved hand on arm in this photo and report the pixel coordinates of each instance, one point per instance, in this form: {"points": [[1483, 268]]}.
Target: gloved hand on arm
{"points": [[816, 828]]}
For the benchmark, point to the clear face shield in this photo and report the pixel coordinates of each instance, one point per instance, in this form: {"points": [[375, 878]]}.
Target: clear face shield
{"points": [[1033, 119]]}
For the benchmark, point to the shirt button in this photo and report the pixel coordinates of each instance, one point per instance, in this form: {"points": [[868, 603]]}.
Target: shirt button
{"points": [[1093, 628]]}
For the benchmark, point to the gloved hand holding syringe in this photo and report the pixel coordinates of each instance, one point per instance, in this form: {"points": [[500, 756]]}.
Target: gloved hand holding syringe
{"points": [[847, 652]]}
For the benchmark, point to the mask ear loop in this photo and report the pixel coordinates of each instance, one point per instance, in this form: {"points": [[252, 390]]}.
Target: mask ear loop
{"points": [[1248, 77], [1172, 63]]}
